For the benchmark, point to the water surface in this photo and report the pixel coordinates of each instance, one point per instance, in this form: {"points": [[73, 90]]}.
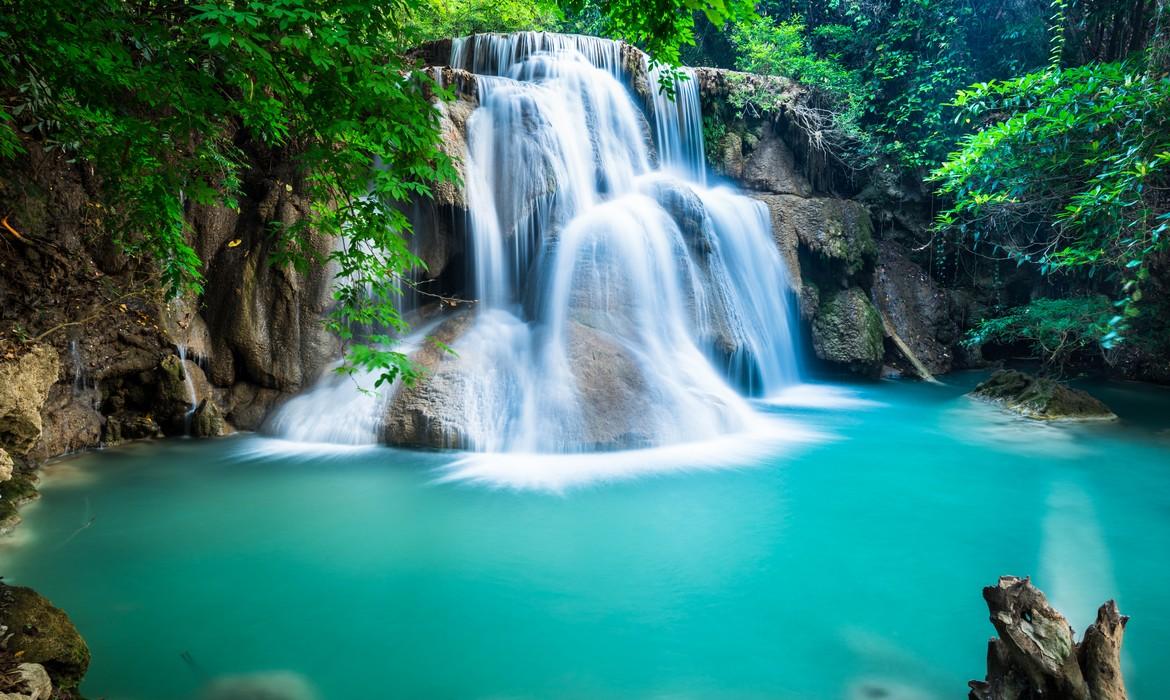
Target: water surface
{"points": [[838, 568]]}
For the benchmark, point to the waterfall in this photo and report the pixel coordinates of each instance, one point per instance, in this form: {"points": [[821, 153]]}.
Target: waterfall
{"points": [[621, 302], [192, 398]]}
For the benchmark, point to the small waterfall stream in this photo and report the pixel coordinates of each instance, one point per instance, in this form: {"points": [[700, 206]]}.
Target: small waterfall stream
{"points": [[620, 303]]}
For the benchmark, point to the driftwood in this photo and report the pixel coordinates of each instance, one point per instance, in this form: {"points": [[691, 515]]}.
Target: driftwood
{"points": [[1036, 657]]}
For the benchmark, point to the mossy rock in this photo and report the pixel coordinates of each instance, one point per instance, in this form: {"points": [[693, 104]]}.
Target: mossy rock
{"points": [[847, 332], [43, 634], [1040, 398], [14, 493]]}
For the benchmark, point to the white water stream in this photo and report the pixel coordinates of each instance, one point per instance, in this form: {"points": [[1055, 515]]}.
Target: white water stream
{"points": [[616, 296]]}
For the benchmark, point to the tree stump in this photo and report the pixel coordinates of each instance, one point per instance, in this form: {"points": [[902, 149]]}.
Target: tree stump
{"points": [[1036, 655]]}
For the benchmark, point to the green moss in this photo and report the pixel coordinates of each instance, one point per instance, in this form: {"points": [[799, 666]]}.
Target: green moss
{"points": [[43, 634], [15, 492]]}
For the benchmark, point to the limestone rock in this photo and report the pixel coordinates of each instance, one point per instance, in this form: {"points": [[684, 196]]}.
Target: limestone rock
{"points": [[30, 681], [836, 231], [181, 387], [428, 413], [207, 421], [19, 489], [130, 426], [24, 388], [771, 167], [1040, 398], [6, 465], [43, 634], [847, 331], [248, 404], [916, 307], [72, 421]]}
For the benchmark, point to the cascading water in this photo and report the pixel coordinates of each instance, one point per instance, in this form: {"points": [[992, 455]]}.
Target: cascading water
{"points": [[619, 304], [192, 398]]}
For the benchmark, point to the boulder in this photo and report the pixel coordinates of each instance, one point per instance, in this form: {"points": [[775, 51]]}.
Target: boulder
{"points": [[24, 388], [207, 421], [847, 332], [43, 634], [428, 413], [180, 388], [916, 307], [1040, 398]]}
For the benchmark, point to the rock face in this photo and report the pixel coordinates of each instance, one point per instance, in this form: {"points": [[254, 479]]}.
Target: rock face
{"points": [[5, 465], [848, 331], [42, 634], [916, 307], [427, 414], [1040, 398], [1036, 655], [24, 388]]}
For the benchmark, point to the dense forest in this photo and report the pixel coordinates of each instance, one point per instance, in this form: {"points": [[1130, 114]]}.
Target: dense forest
{"points": [[583, 348], [1037, 129]]}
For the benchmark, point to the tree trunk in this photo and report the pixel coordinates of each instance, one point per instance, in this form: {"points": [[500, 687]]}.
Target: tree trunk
{"points": [[1036, 656]]}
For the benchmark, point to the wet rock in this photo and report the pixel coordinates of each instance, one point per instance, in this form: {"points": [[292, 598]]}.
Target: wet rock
{"points": [[771, 167], [130, 426], [248, 404], [917, 308], [429, 412], [615, 405], [836, 231], [19, 489], [42, 634], [177, 380], [847, 332], [1040, 398], [72, 421], [208, 421], [264, 319], [24, 388]]}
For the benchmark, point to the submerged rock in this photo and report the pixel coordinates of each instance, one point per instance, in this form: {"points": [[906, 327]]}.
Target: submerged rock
{"points": [[43, 634], [273, 685], [24, 388], [1040, 398], [847, 331]]}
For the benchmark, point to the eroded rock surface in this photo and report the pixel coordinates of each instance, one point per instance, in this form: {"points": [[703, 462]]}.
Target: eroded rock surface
{"points": [[42, 634], [847, 331], [24, 388], [1040, 398]]}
